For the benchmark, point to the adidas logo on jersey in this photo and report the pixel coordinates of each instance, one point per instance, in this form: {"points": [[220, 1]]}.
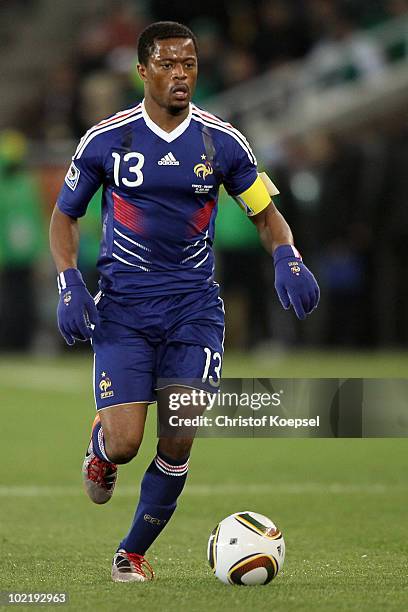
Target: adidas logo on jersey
{"points": [[168, 160]]}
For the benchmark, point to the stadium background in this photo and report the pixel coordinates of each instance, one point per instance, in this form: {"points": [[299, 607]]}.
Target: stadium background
{"points": [[320, 87]]}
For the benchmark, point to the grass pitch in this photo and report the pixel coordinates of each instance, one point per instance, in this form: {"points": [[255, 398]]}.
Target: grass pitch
{"points": [[341, 504]]}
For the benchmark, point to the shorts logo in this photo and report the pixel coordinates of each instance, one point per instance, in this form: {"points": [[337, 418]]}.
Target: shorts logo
{"points": [[72, 176], [203, 169], [105, 385]]}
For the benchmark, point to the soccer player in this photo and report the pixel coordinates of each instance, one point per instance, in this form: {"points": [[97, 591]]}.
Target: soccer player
{"points": [[158, 313]]}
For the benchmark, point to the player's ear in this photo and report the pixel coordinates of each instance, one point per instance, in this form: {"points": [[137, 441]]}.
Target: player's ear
{"points": [[141, 69]]}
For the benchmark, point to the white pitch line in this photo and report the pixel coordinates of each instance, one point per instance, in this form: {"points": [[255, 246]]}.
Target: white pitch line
{"points": [[47, 380], [53, 386], [212, 489]]}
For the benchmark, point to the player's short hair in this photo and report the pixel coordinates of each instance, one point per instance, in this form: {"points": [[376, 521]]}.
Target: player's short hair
{"points": [[160, 30]]}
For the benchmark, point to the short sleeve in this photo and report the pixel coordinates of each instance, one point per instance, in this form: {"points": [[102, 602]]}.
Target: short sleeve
{"points": [[241, 166], [84, 177]]}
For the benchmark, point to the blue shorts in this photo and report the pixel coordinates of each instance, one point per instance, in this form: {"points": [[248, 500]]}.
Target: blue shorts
{"points": [[176, 338]]}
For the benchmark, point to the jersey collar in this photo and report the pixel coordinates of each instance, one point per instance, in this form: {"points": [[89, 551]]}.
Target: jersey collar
{"points": [[167, 136]]}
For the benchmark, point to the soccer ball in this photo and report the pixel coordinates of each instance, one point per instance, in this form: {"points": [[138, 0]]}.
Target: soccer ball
{"points": [[246, 548]]}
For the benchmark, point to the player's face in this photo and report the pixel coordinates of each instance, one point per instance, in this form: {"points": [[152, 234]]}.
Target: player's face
{"points": [[171, 73]]}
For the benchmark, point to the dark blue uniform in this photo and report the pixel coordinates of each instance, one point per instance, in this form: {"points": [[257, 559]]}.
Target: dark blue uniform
{"points": [[161, 315]]}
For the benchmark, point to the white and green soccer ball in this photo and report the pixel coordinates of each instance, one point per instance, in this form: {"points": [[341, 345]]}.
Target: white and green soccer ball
{"points": [[246, 548]]}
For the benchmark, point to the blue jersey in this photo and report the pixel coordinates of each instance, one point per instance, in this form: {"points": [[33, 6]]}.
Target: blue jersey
{"points": [[159, 202]]}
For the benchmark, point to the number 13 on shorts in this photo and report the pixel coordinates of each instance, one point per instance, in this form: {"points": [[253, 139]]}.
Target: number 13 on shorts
{"points": [[212, 368]]}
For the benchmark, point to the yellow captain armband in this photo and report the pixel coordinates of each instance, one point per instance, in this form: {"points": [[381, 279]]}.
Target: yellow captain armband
{"points": [[257, 197]]}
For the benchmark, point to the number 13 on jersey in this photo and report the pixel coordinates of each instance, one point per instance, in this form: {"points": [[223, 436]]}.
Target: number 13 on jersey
{"points": [[136, 169]]}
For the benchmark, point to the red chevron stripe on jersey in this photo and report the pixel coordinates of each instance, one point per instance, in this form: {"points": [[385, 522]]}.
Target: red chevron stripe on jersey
{"points": [[127, 214], [201, 218]]}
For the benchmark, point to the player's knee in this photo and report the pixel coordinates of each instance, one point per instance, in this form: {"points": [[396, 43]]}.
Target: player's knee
{"points": [[122, 451], [176, 448]]}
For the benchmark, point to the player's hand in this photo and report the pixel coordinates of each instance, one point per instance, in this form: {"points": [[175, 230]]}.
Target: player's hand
{"points": [[77, 314], [294, 283]]}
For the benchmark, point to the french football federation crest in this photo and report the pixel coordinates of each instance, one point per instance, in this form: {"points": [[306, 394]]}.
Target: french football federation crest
{"points": [[105, 385], [203, 169]]}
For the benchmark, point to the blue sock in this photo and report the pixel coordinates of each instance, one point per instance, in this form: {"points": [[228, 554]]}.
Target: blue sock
{"points": [[98, 442], [161, 485]]}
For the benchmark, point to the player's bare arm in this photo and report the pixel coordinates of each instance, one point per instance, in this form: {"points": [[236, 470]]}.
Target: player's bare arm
{"points": [[272, 228], [64, 240]]}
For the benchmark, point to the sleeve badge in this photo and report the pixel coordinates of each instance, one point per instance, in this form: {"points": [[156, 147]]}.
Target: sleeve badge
{"points": [[72, 176]]}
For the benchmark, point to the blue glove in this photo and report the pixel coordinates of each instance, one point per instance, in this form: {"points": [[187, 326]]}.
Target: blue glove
{"points": [[77, 314], [294, 283]]}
